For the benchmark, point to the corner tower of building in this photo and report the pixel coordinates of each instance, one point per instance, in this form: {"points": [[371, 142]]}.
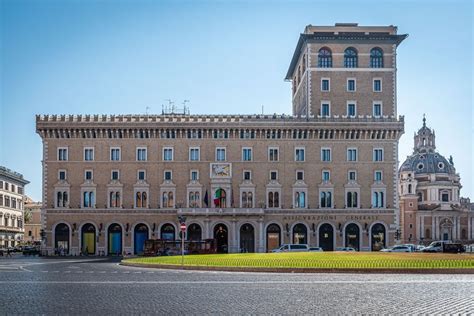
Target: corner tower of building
{"points": [[345, 70]]}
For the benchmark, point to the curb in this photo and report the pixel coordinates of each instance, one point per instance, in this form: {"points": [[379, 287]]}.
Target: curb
{"points": [[302, 270]]}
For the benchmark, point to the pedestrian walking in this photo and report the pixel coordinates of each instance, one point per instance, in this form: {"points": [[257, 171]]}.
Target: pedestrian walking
{"points": [[9, 253]]}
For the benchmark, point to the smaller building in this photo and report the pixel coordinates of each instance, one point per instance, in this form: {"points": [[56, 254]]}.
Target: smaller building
{"points": [[430, 204], [32, 221], [12, 188]]}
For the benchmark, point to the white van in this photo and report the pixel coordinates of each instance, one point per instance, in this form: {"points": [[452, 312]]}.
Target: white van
{"points": [[292, 248]]}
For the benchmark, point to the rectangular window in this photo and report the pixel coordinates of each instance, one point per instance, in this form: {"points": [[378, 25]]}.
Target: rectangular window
{"points": [[351, 85], [352, 154], [88, 175], [246, 154], [377, 110], [377, 85], [351, 109], [378, 154], [194, 175], [326, 175], [114, 154], [62, 175], [299, 154], [62, 154], [352, 175], [325, 154], [273, 154], [378, 175], [141, 154], [325, 110], [141, 175], [88, 154], [194, 154], [247, 175], [325, 85], [88, 199], [167, 154], [273, 175], [168, 175], [220, 154], [300, 175], [115, 175]]}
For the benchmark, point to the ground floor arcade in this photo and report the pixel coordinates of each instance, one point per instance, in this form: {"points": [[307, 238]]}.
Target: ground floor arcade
{"points": [[234, 230]]}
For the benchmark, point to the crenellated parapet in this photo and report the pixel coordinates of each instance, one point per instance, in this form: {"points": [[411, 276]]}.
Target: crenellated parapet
{"points": [[219, 126]]}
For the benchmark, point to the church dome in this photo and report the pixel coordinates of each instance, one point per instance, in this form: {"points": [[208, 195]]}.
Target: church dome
{"points": [[427, 162], [425, 159]]}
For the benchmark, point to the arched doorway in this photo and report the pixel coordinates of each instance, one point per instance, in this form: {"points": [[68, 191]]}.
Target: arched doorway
{"points": [[88, 239], [61, 239], [247, 238], [168, 232], [221, 237], [139, 238], [378, 237], [220, 198], [353, 236], [273, 237], [326, 237], [194, 232], [300, 234], [115, 239], [446, 229]]}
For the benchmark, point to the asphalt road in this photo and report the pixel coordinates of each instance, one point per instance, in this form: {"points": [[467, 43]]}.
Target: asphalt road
{"points": [[97, 286]]}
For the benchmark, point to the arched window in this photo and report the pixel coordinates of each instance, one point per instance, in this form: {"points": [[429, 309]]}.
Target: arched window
{"points": [[323, 199], [351, 199], [270, 199], [220, 198], [300, 199], [409, 189], [165, 199], [59, 199], [350, 58], [138, 199], [144, 202], [325, 58], [376, 58]]}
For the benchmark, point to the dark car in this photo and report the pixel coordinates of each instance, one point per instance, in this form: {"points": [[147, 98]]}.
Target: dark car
{"points": [[31, 251]]}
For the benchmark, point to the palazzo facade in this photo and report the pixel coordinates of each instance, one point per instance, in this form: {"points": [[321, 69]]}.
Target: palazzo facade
{"points": [[12, 198], [325, 176]]}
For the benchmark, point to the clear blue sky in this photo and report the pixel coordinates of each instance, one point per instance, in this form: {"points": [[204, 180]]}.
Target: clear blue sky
{"points": [[118, 57]]}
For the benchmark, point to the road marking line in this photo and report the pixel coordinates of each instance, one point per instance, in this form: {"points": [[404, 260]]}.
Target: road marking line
{"points": [[241, 282]]}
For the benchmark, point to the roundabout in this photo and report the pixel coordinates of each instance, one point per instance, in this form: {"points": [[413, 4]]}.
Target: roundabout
{"points": [[354, 262]]}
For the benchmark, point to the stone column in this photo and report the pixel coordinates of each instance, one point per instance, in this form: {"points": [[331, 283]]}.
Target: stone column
{"points": [[206, 229], [234, 246], [433, 227], [261, 244]]}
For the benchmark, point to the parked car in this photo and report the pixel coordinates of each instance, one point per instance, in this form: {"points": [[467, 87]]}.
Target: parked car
{"points": [[292, 248], [345, 249], [31, 251], [399, 248], [316, 249]]}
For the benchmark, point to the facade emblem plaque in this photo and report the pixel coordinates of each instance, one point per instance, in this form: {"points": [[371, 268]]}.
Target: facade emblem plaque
{"points": [[221, 170]]}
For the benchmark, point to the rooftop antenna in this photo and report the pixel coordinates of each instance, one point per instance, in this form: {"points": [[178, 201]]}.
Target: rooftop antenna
{"points": [[185, 109]]}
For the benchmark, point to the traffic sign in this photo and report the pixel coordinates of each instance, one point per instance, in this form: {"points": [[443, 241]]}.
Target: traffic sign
{"points": [[183, 227]]}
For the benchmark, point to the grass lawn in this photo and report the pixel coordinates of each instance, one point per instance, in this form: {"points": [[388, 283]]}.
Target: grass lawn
{"points": [[324, 260]]}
